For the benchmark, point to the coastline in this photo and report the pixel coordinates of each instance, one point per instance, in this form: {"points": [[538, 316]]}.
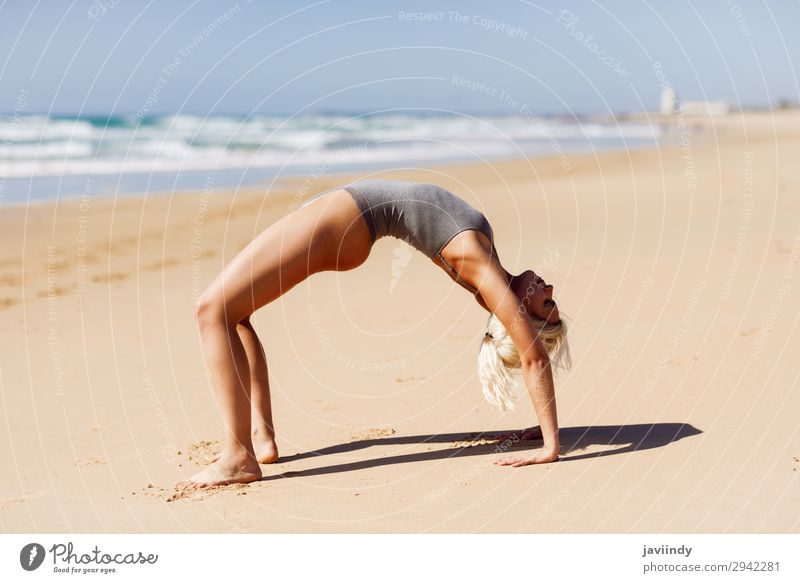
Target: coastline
{"points": [[698, 125], [678, 272]]}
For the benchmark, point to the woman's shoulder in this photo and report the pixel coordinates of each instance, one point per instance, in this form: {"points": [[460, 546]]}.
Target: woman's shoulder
{"points": [[469, 245]]}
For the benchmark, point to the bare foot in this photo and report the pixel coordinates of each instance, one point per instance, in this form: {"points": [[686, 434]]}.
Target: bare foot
{"points": [[265, 448], [222, 472]]}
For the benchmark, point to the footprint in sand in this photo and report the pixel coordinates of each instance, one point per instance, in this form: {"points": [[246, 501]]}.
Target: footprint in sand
{"points": [[161, 265], [109, 277], [9, 280], [409, 379], [202, 493], [374, 433], [25, 497], [121, 245], [172, 495], [55, 292], [91, 461], [7, 302]]}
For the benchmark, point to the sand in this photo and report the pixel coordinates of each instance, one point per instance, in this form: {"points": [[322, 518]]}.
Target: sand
{"points": [[678, 268]]}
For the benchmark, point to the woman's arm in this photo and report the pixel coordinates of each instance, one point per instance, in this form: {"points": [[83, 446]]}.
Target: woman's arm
{"points": [[491, 281], [542, 394]]}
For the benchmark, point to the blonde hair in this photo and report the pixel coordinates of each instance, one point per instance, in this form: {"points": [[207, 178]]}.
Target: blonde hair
{"points": [[499, 362]]}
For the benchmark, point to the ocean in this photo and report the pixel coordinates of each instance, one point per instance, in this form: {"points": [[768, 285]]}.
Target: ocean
{"points": [[44, 157]]}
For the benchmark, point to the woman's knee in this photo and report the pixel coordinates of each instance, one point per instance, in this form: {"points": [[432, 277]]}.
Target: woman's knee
{"points": [[207, 311], [211, 309]]}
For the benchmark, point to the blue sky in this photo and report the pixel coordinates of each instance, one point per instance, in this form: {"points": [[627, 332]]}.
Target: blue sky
{"points": [[124, 56]]}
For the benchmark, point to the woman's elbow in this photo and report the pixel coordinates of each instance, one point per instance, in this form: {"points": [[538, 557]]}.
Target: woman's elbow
{"points": [[535, 363]]}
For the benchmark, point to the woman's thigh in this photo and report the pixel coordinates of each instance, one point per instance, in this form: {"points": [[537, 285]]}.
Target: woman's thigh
{"points": [[328, 234]]}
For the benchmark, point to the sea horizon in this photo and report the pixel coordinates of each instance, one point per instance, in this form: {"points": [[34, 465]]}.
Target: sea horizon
{"points": [[48, 157]]}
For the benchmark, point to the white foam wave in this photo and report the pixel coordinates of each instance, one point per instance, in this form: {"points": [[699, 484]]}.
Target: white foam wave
{"points": [[39, 145]]}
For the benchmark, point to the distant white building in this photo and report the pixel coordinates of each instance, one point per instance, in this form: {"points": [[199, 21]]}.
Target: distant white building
{"points": [[705, 107], [669, 101]]}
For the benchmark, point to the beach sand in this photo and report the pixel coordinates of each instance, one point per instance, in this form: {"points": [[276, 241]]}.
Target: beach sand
{"points": [[678, 269]]}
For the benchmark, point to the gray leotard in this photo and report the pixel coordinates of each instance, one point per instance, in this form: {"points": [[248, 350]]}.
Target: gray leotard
{"points": [[424, 215]]}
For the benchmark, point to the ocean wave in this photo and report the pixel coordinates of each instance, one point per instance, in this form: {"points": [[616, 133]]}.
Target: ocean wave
{"points": [[38, 145]]}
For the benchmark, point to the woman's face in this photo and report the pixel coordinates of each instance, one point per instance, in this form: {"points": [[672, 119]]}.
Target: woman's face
{"points": [[537, 296]]}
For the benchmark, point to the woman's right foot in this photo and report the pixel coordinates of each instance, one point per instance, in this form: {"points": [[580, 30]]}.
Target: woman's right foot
{"points": [[222, 472]]}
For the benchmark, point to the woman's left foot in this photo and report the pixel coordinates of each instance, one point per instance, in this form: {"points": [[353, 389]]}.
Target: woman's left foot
{"points": [[265, 448], [222, 472], [264, 444]]}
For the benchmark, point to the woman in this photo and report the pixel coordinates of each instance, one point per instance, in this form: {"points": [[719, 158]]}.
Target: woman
{"points": [[335, 231]]}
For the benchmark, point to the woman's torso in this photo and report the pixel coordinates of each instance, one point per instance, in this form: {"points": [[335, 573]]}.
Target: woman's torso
{"points": [[424, 215]]}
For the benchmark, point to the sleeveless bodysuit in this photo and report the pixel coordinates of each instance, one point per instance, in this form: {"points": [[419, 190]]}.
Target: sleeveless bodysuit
{"points": [[426, 216]]}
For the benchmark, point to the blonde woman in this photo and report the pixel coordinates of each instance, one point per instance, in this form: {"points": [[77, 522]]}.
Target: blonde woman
{"points": [[335, 231]]}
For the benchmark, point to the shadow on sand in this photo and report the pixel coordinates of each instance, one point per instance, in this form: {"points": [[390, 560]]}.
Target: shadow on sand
{"points": [[621, 438]]}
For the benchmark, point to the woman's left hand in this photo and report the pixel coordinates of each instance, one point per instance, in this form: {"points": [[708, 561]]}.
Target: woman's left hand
{"points": [[540, 456]]}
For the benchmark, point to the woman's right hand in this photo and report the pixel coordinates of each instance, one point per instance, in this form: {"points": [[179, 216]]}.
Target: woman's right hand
{"points": [[522, 435]]}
